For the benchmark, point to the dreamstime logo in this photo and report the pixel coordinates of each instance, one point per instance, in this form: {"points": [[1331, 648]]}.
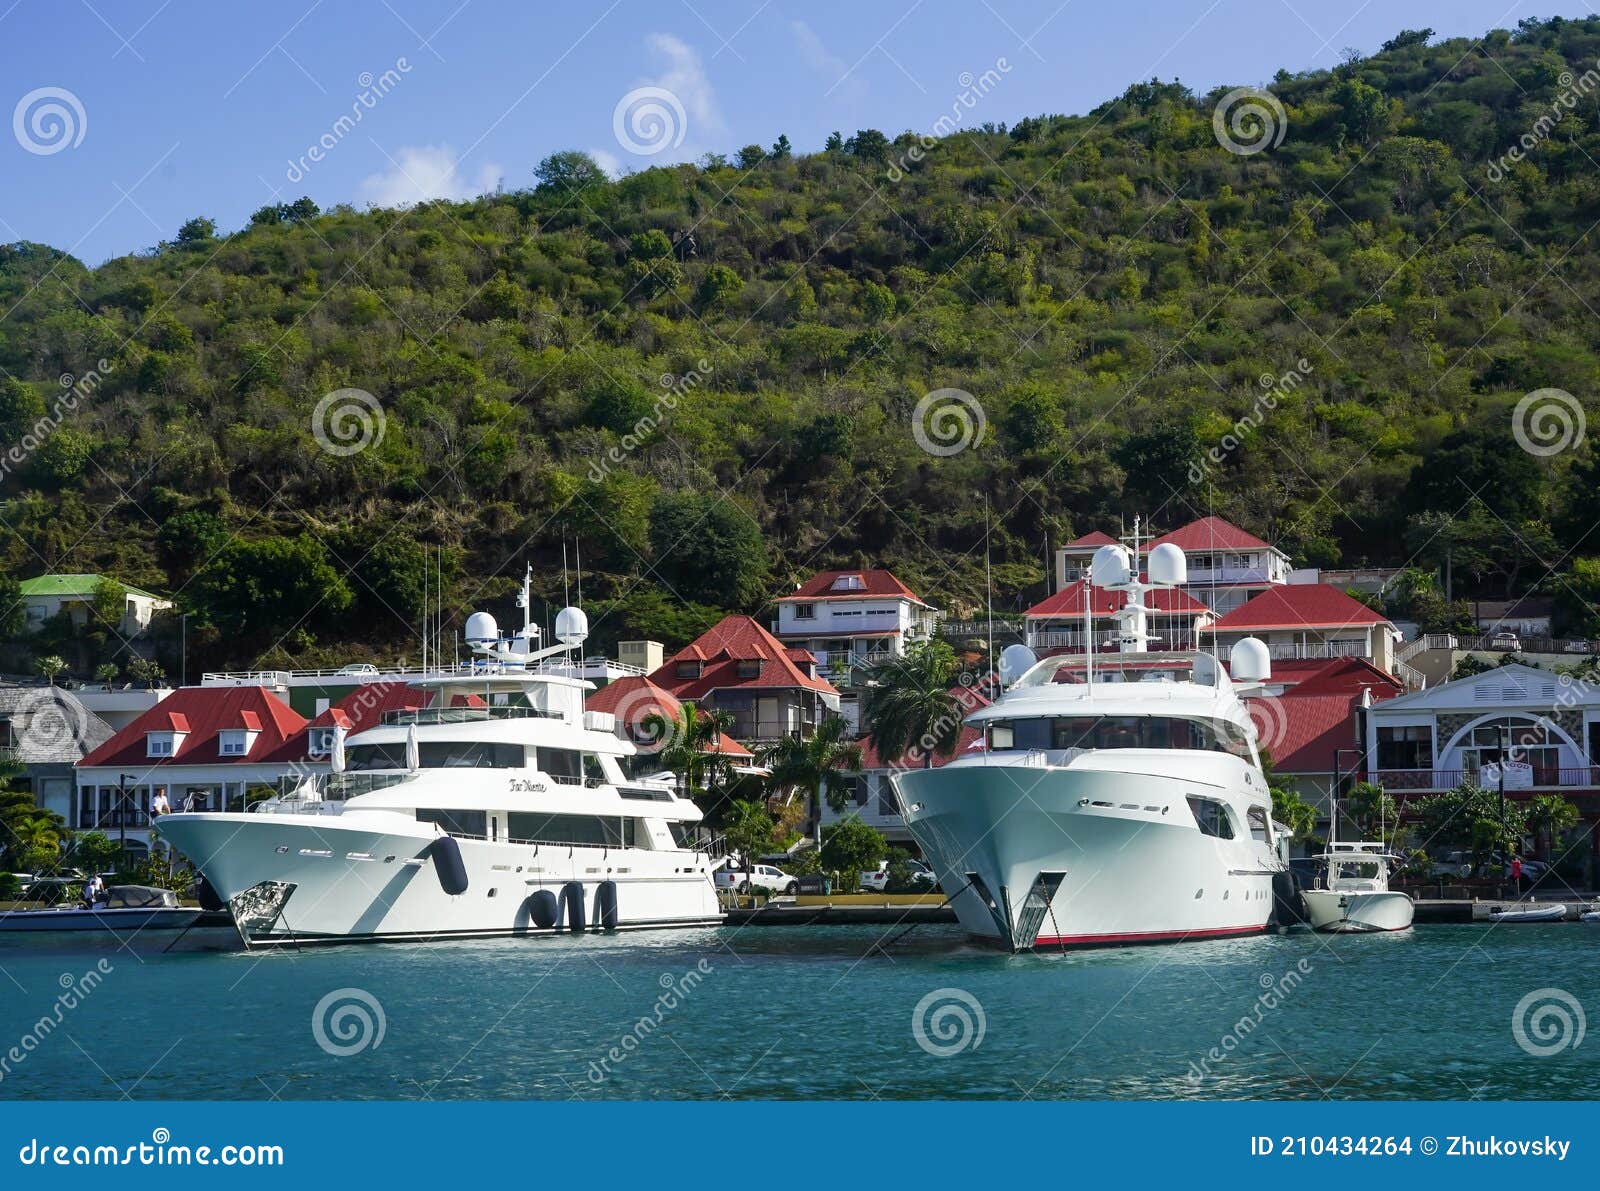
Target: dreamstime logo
{"points": [[948, 421], [948, 1021], [74, 391], [1548, 1021], [348, 1021], [655, 729], [1275, 990], [347, 422], [973, 88], [1565, 102], [675, 991], [48, 120], [1246, 121], [1273, 390], [373, 88], [74, 991], [1547, 422], [649, 120], [47, 720], [674, 390], [1271, 721]]}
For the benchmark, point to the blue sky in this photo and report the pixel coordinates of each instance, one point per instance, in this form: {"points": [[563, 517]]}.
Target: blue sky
{"points": [[174, 108]]}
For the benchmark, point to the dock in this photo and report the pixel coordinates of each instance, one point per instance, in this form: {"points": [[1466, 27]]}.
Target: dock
{"points": [[856, 909]]}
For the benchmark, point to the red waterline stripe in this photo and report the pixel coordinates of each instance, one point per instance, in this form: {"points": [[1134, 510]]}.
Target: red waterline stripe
{"points": [[1153, 936]]}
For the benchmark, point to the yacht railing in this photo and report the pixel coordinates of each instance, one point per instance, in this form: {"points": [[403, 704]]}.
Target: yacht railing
{"points": [[465, 715]]}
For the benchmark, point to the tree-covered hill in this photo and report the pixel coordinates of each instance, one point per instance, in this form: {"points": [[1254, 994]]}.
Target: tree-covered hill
{"points": [[709, 373]]}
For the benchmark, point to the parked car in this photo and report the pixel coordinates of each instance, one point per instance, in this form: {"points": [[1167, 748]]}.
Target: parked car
{"points": [[1505, 639], [1461, 864], [360, 670], [762, 878], [877, 880]]}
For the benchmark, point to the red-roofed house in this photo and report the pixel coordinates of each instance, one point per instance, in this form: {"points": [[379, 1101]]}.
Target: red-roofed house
{"points": [[1055, 624], [1227, 565], [846, 619], [739, 667], [1311, 620], [634, 699], [209, 743]]}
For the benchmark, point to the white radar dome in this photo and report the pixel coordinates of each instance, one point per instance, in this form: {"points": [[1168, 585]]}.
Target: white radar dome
{"points": [[482, 630], [1249, 661], [1168, 566], [1109, 567], [572, 626], [1015, 661]]}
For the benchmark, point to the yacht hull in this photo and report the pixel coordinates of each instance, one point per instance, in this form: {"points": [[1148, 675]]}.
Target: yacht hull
{"points": [[1040, 857], [1357, 913], [371, 877]]}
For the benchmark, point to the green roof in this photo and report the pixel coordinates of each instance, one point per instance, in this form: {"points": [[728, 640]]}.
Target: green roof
{"points": [[74, 585]]}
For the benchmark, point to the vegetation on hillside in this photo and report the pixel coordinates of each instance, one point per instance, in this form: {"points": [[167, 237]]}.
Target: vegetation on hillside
{"points": [[709, 373]]}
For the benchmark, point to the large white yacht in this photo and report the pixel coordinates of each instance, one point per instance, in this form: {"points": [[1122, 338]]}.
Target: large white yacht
{"points": [[1127, 808], [499, 809]]}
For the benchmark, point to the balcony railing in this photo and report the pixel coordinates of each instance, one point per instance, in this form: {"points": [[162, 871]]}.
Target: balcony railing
{"points": [[1487, 643], [1318, 649], [465, 715], [1582, 777], [1108, 640]]}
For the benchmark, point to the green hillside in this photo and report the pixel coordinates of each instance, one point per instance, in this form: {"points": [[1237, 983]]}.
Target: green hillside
{"points": [[708, 373]]}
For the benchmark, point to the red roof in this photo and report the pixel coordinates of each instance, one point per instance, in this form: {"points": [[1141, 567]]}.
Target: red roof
{"points": [[202, 712], [1069, 601], [721, 648], [874, 584], [1094, 538], [635, 698], [1300, 606], [250, 720], [363, 707], [1302, 733], [1348, 676], [1210, 533]]}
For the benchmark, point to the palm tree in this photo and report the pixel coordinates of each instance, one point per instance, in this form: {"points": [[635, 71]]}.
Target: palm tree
{"points": [[1548, 816], [908, 706], [690, 748], [819, 766]]}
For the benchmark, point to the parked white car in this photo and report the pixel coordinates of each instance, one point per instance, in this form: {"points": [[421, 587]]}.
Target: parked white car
{"points": [[762, 878], [360, 670], [877, 880], [1505, 639]]}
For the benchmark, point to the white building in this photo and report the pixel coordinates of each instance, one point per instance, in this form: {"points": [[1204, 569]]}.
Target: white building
{"points": [[848, 619], [1226, 564]]}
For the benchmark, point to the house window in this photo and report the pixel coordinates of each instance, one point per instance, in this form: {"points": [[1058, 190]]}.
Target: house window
{"points": [[1408, 747], [320, 742], [232, 743], [805, 611], [750, 668], [849, 583], [160, 746], [688, 669]]}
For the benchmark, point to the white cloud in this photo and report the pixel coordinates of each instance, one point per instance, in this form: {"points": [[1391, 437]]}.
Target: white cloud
{"points": [[610, 162], [418, 173], [686, 78], [816, 55]]}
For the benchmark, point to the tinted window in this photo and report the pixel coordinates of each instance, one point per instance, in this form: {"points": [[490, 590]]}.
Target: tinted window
{"points": [[439, 754], [1212, 818], [474, 823], [562, 763], [1116, 732], [588, 830]]}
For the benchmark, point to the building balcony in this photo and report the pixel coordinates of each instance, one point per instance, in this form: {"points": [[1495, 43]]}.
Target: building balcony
{"points": [[1318, 649], [1584, 777]]}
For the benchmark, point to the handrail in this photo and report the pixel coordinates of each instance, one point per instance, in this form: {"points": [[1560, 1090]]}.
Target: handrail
{"points": [[423, 716]]}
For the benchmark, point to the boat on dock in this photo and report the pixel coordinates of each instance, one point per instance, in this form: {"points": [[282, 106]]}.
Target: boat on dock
{"points": [[500, 808], [1356, 897], [153, 917]]}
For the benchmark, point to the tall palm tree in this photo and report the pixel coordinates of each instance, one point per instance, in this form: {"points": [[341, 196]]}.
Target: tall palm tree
{"points": [[820, 767], [690, 749], [1548, 816], [908, 707]]}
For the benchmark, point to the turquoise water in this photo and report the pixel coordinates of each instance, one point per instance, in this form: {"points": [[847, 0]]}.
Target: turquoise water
{"points": [[797, 1013]]}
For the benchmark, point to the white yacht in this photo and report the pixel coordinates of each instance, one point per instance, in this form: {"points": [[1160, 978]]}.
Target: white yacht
{"points": [[1355, 895], [499, 809], [1108, 812]]}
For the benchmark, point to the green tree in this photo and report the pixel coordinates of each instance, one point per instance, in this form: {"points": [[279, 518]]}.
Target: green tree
{"points": [[749, 831], [1471, 816], [1373, 813], [107, 604], [270, 588], [1549, 815], [197, 230], [718, 286], [13, 613], [690, 749], [569, 173], [820, 766], [908, 708], [1294, 812], [708, 549], [49, 667], [851, 847]]}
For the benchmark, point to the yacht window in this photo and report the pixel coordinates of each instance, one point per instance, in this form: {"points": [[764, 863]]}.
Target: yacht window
{"points": [[564, 765], [1019, 734], [593, 774], [437, 754], [1212, 818], [684, 834], [468, 823], [1001, 737], [1141, 732], [1260, 831], [592, 831]]}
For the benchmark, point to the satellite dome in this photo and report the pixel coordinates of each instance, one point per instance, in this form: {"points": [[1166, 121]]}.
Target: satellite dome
{"points": [[1249, 661], [1109, 567], [572, 626], [481, 629], [1168, 566], [1015, 661]]}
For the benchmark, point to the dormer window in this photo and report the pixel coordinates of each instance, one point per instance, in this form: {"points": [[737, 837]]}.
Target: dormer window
{"points": [[235, 742], [319, 742], [805, 611], [688, 669], [849, 583], [162, 744], [749, 667]]}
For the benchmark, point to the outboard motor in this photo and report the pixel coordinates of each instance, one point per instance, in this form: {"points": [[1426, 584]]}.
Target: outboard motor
{"points": [[572, 904], [447, 863], [605, 902], [543, 909]]}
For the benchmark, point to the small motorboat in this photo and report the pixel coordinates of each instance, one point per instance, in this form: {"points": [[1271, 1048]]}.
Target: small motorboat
{"points": [[1357, 897], [1554, 912], [128, 910], [1590, 915]]}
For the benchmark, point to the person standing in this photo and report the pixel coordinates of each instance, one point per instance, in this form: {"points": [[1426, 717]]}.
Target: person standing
{"points": [[1516, 873]]}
